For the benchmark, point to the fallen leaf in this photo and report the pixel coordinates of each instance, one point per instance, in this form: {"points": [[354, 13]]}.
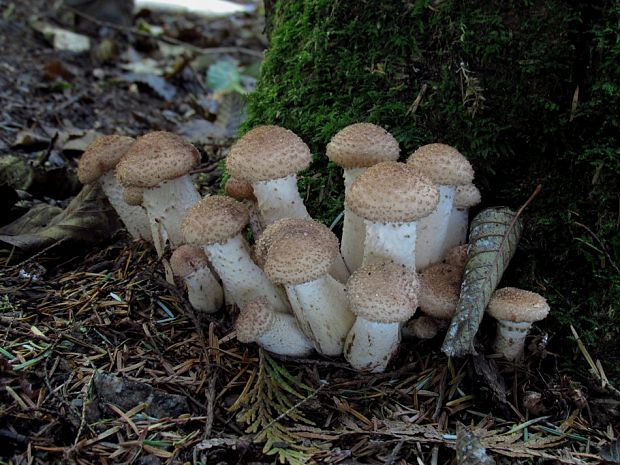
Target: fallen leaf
{"points": [[156, 83], [493, 237]]}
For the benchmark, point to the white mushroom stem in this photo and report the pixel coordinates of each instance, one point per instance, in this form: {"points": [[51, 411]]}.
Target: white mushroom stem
{"points": [[285, 338], [320, 307], [510, 339], [456, 233], [134, 218], [203, 291], [370, 345], [390, 242], [279, 198], [166, 205], [353, 230], [242, 278], [432, 229]]}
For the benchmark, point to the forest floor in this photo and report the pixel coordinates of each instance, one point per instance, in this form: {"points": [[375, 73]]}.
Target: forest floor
{"points": [[103, 361]]}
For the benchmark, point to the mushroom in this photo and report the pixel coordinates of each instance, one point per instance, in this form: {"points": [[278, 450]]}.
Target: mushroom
{"points": [[243, 192], [440, 285], [160, 163], [515, 310], [98, 164], [447, 169], [422, 327], [299, 260], [382, 296], [466, 196], [391, 197], [269, 157], [203, 290], [216, 224], [133, 196], [355, 148], [457, 256], [273, 331]]}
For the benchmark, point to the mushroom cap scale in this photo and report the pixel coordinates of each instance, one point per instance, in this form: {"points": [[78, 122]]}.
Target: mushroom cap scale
{"points": [[255, 319], [155, 157], [392, 192], [457, 256], [300, 255], [101, 156], [362, 145], [466, 196], [383, 292], [214, 219], [133, 195], [517, 305], [267, 152], [440, 285], [442, 164], [187, 259]]}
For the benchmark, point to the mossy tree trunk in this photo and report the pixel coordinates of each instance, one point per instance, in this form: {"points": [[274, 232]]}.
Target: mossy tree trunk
{"points": [[529, 91]]}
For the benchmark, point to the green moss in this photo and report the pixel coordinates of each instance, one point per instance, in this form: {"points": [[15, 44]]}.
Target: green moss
{"points": [[499, 81]]}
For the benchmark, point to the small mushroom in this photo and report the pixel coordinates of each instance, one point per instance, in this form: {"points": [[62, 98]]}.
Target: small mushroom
{"points": [[98, 164], [391, 197], [466, 196], [203, 290], [299, 260], [382, 296], [216, 224], [355, 148], [515, 310], [422, 327], [160, 163], [447, 168], [243, 192], [440, 285], [273, 331]]}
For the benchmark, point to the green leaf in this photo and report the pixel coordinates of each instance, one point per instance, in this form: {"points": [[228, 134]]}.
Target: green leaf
{"points": [[493, 237], [224, 76]]}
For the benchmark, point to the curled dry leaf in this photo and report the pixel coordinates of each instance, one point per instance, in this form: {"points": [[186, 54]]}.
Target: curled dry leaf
{"points": [[493, 237], [88, 219]]}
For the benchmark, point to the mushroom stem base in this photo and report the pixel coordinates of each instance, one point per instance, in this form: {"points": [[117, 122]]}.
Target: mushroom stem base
{"points": [[510, 339], [370, 345]]}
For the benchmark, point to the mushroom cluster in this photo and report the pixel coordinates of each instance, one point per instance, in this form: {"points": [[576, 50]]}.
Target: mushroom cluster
{"points": [[299, 289]]}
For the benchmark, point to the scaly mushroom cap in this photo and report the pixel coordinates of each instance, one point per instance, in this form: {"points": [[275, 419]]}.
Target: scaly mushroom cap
{"points": [[440, 285], [444, 165], [422, 327], [101, 156], [267, 152], [383, 292], [466, 196], [518, 305], [457, 256], [187, 259], [214, 219], [240, 190], [392, 192], [157, 157], [300, 254], [255, 319], [133, 195], [362, 145]]}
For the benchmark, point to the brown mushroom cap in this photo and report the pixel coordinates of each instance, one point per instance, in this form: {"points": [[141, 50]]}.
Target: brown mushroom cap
{"points": [[440, 285], [444, 165], [255, 319], [300, 254], [457, 256], [187, 259], [518, 305], [361, 145], [267, 152], [392, 192], [466, 196], [101, 156], [383, 292], [133, 195], [214, 219], [157, 157], [240, 190], [422, 327]]}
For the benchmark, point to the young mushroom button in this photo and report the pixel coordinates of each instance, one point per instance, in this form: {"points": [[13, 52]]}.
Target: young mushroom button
{"points": [[160, 163], [216, 224], [382, 296], [515, 310]]}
